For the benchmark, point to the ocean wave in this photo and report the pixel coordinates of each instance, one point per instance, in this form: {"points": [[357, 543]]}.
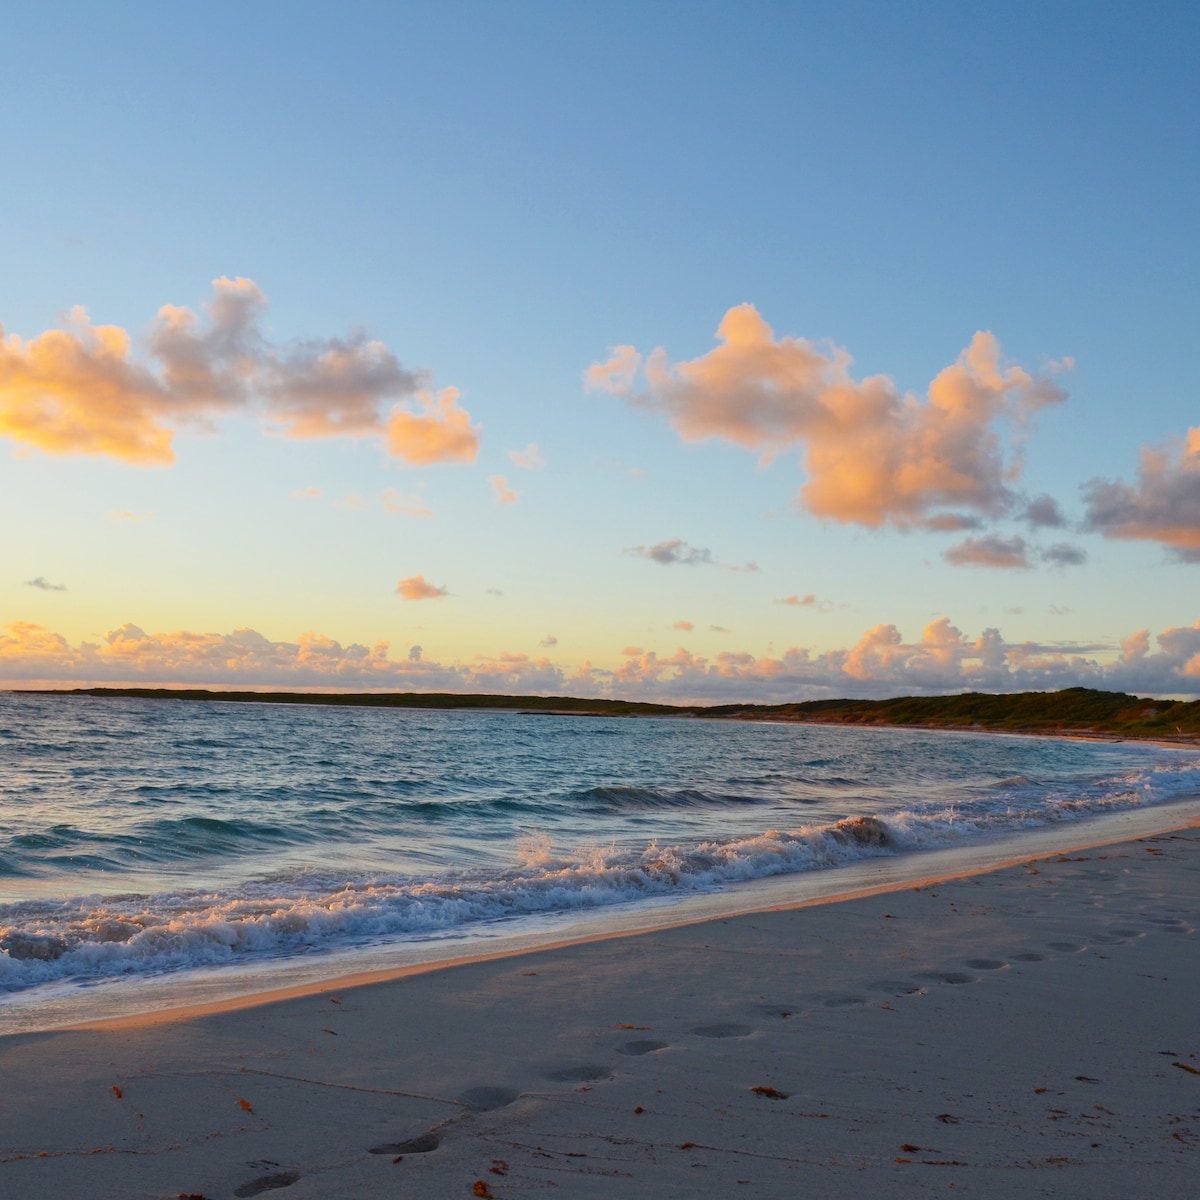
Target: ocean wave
{"points": [[303, 910], [611, 801]]}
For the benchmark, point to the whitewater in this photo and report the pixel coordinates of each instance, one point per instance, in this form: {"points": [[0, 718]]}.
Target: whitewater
{"points": [[141, 839]]}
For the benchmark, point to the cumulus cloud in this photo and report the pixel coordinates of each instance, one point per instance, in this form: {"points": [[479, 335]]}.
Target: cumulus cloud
{"points": [[529, 459], [417, 587], [684, 626], [674, 552], [308, 493], [437, 432], [1063, 554], [81, 390], [881, 663], [1043, 512], [1163, 507], [548, 641], [991, 550], [504, 494], [44, 585], [874, 456]]}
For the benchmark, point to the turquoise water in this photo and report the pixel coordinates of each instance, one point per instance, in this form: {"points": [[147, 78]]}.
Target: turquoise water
{"points": [[142, 837]]}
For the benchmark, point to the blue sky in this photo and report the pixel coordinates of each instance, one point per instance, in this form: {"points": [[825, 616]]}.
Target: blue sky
{"points": [[499, 194]]}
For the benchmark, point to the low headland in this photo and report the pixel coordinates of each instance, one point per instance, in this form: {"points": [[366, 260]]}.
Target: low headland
{"points": [[1077, 711]]}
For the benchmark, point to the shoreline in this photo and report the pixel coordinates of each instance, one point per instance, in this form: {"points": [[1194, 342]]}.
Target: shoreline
{"points": [[203, 992], [1025, 1030], [1115, 716]]}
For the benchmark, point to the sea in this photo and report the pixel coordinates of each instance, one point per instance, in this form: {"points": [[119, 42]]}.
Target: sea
{"points": [[144, 841]]}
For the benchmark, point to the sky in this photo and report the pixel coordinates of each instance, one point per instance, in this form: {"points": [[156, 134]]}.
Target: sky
{"points": [[699, 352]]}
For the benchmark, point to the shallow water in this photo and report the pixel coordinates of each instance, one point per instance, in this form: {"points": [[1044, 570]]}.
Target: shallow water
{"points": [[141, 837]]}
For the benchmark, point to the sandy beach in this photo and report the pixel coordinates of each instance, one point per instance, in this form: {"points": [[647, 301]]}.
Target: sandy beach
{"points": [[1029, 1030]]}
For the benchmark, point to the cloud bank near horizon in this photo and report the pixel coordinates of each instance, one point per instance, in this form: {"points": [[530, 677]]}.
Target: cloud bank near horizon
{"points": [[880, 664], [80, 389]]}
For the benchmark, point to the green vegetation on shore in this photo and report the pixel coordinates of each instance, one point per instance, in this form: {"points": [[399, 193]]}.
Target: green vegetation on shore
{"points": [[1073, 710]]}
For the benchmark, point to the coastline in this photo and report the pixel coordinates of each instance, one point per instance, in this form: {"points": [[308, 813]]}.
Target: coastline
{"points": [[1033, 1017], [200, 992], [1082, 713]]}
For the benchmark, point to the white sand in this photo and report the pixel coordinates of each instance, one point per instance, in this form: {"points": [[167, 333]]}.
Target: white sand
{"points": [[1032, 1030]]}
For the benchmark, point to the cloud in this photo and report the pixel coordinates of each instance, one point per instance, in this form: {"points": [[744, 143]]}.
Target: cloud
{"points": [[307, 493], [529, 459], [991, 550], [807, 601], [44, 585], [408, 506], [81, 390], [881, 663], [1063, 554], [504, 494], [439, 432], [874, 456], [1043, 512], [351, 501], [673, 553], [1164, 507], [416, 587], [685, 626], [548, 641], [718, 629], [494, 592]]}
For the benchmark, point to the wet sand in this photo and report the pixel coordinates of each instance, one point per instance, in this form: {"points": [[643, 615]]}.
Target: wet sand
{"points": [[1028, 1030]]}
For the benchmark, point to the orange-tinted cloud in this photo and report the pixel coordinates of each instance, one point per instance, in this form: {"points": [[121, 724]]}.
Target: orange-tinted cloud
{"points": [[504, 494], [991, 550], [880, 663], [1164, 507], [874, 456], [797, 601], [438, 432], [417, 587], [683, 626], [81, 390]]}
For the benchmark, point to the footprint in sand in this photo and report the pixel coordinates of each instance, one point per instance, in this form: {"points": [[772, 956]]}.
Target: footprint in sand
{"points": [[986, 964], [423, 1143], [267, 1183], [952, 977], [1123, 934], [587, 1073], [724, 1029], [1030, 956], [1168, 924], [486, 1099], [635, 1049]]}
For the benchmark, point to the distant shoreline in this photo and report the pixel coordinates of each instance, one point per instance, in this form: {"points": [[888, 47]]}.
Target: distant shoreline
{"points": [[1072, 712]]}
